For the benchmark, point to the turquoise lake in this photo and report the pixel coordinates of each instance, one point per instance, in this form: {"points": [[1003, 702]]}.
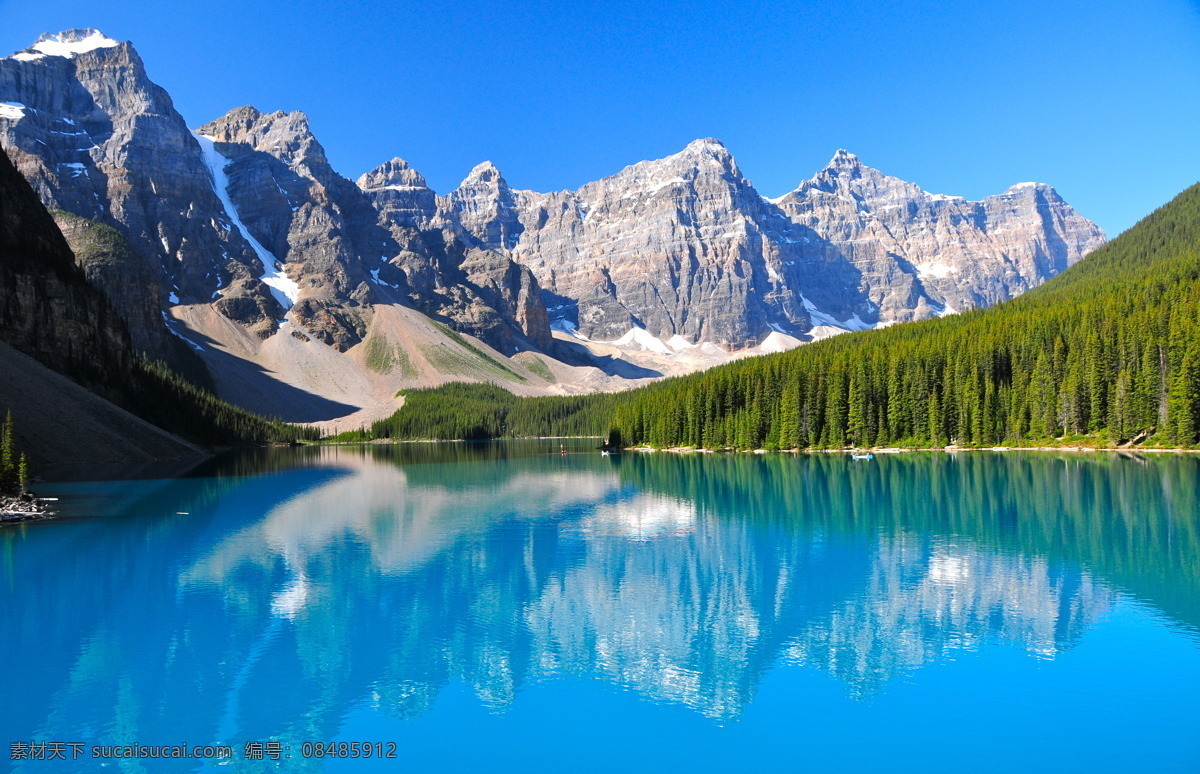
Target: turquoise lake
{"points": [[505, 607]]}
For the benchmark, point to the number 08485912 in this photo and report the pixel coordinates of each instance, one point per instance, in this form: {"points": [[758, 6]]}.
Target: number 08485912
{"points": [[348, 750]]}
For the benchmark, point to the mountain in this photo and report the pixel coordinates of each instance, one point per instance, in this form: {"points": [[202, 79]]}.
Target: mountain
{"points": [[54, 324], [245, 214], [48, 309], [1106, 354], [313, 298], [678, 247], [686, 249], [925, 254], [96, 138], [448, 274]]}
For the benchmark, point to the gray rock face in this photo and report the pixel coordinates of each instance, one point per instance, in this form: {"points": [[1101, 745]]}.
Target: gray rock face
{"points": [[485, 206], [95, 137], [685, 246], [445, 271], [923, 253], [247, 214], [131, 285], [401, 193], [47, 308], [679, 246], [315, 224]]}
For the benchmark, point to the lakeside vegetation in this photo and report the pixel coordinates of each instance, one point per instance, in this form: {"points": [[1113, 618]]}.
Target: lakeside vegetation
{"points": [[14, 468], [1106, 354], [471, 412], [164, 398]]}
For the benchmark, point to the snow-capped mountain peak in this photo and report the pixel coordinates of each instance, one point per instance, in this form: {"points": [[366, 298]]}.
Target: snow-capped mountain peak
{"points": [[67, 44]]}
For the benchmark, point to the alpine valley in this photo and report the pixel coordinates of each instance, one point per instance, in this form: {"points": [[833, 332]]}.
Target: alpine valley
{"points": [[234, 252]]}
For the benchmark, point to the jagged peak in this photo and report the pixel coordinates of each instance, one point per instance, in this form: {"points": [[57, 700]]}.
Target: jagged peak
{"points": [[1043, 190], [843, 167], [844, 160], [393, 173], [249, 115], [1036, 186], [485, 172], [699, 159], [69, 44], [238, 124], [707, 145], [245, 113], [710, 149], [77, 37], [703, 149]]}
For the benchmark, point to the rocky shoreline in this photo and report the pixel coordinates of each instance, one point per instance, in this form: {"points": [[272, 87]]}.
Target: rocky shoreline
{"points": [[23, 507]]}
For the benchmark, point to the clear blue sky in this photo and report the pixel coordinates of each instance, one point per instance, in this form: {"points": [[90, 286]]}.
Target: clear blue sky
{"points": [[1100, 98]]}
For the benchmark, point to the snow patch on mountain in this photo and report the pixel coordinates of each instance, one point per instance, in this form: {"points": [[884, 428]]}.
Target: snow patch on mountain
{"points": [[644, 339], [936, 269], [14, 111], [283, 288], [679, 343], [67, 44], [778, 342], [820, 318]]}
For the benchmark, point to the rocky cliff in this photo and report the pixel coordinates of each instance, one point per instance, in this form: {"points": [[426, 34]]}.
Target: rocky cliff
{"points": [[47, 308], [922, 253], [446, 272], [685, 248], [53, 322], [245, 214], [97, 138]]}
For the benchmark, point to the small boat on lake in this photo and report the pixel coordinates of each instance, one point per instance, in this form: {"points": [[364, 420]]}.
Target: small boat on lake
{"points": [[862, 456]]}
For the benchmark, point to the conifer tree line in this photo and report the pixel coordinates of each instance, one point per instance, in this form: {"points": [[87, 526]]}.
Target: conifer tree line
{"points": [[14, 470], [469, 411], [165, 398], [1109, 352]]}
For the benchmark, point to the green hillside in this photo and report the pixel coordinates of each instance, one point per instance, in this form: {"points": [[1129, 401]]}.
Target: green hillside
{"points": [[470, 411]]}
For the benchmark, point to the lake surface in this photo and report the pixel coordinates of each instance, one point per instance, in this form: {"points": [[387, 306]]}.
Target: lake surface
{"points": [[502, 607]]}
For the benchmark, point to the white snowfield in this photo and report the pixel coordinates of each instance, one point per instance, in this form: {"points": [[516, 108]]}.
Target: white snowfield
{"points": [[644, 339], [12, 110], [283, 287], [820, 318], [66, 44], [777, 341]]}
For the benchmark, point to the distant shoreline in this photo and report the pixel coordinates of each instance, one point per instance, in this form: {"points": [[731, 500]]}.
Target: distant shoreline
{"points": [[841, 450], [907, 449]]}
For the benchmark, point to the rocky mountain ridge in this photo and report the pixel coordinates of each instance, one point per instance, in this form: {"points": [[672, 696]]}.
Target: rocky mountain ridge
{"points": [[686, 247], [245, 214]]}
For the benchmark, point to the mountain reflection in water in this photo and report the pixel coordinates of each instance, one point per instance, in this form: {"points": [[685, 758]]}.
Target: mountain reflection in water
{"points": [[284, 599]]}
